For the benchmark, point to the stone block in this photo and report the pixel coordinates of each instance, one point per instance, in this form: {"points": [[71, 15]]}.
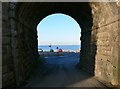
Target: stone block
{"points": [[0, 21], [5, 8], [4, 17], [7, 59], [1, 16], [5, 24], [11, 84], [12, 14], [7, 68], [6, 40], [6, 31], [115, 79], [0, 6], [4, 12], [8, 76], [13, 24], [6, 49], [0, 80]]}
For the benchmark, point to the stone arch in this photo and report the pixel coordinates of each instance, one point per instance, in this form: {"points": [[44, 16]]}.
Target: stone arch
{"points": [[75, 10], [99, 55]]}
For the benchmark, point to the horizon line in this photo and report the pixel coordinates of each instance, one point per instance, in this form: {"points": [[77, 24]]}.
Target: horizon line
{"points": [[63, 44]]}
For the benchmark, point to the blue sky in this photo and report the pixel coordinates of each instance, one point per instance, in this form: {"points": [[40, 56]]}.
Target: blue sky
{"points": [[58, 29]]}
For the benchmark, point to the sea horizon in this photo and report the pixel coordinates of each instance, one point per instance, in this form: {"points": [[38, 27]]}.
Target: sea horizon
{"points": [[55, 45], [63, 47]]}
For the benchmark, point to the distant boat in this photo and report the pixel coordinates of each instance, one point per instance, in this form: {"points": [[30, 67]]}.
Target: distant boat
{"points": [[49, 45]]}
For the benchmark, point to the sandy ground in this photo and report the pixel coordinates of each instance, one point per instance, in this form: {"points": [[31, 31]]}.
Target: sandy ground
{"points": [[61, 71]]}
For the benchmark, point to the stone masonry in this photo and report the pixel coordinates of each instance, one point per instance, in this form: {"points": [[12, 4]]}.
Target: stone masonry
{"points": [[99, 22]]}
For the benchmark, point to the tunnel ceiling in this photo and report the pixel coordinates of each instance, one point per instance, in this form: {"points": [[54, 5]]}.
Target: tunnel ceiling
{"points": [[32, 13]]}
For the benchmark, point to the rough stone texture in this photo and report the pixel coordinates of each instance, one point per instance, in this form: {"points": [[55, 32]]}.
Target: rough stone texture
{"points": [[24, 45], [25, 51], [0, 45], [119, 45], [8, 75], [99, 36], [106, 23]]}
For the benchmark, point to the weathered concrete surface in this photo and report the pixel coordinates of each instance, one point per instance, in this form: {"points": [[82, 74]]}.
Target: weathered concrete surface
{"points": [[99, 36], [61, 71]]}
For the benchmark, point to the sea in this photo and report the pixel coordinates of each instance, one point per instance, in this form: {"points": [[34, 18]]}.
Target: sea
{"points": [[63, 47]]}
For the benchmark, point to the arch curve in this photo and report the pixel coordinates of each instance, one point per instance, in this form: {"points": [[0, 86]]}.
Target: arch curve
{"points": [[99, 37]]}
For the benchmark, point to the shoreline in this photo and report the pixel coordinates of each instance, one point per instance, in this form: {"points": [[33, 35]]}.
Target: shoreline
{"points": [[78, 50], [55, 53]]}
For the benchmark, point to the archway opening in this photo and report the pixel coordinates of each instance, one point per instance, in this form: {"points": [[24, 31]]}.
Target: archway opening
{"points": [[59, 36], [20, 40], [40, 10], [58, 31]]}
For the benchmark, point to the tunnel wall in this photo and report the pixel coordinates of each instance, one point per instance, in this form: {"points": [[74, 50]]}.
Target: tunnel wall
{"points": [[99, 48], [99, 43], [18, 48], [24, 45], [0, 44], [8, 73], [119, 44], [105, 20], [26, 50]]}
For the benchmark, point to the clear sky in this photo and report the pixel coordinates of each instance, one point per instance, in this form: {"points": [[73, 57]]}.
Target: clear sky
{"points": [[58, 29]]}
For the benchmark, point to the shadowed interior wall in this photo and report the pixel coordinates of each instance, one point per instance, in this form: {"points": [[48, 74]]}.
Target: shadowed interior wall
{"points": [[1, 44], [19, 45], [99, 38], [8, 73]]}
